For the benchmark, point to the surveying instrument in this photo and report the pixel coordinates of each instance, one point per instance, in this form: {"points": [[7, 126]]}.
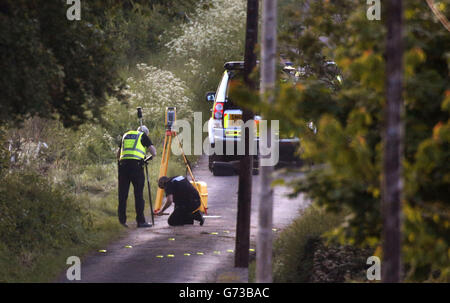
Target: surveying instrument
{"points": [[170, 118], [146, 160]]}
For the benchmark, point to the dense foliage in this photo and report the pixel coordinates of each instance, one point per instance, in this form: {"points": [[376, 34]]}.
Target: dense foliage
{"points": [[57, 68], [90, 75], [51, 66], [197, 50], [36, 217], [347, 148], [70, 91]]}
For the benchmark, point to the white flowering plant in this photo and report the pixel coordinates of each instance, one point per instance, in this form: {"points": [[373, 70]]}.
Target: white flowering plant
{"points": [[154, 89], [214, 35]]}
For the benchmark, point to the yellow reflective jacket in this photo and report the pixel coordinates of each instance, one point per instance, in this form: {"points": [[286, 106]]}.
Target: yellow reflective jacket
{"points": [[132, 147]]}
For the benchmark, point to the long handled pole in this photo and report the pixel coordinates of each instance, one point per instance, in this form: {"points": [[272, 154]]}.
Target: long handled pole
{"points": [[268, 76], [392, 183], [244, 199], [139, 114]]}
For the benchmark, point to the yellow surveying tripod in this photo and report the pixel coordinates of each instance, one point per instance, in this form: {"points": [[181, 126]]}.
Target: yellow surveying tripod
{"points": [[170, 117]]}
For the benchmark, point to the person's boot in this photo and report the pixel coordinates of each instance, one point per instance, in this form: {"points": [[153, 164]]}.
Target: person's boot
{"points": [[199, 217], [144, 225]]}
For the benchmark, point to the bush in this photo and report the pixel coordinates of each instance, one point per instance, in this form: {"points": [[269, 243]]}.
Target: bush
{"points": [[293, 253], [36, 217], [197, 50], [4, 153], [155, 89], [95, 146]]}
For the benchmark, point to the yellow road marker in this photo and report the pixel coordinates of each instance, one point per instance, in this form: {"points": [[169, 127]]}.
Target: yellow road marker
{"points": [[128, 246], [251, 249], [187, 254], [160, 256], [216, 252], [200, 253], [170, 256], [226, 231], [102, 250], [214, 233], [171, 239], [230, 250]]}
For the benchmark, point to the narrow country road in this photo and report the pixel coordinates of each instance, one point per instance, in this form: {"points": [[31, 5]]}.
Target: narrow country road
{"points": [[189, 253]]}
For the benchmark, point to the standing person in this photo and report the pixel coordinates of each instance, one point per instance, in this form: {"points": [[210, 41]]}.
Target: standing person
{"points": [[131, 155], [186, 198]]}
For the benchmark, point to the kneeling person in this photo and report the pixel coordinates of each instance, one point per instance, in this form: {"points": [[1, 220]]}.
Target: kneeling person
{"points": [[186, 198]]}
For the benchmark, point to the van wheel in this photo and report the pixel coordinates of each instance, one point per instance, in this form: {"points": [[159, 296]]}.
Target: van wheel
{"points": [[213, 158], [223, 169], [255, 171]]}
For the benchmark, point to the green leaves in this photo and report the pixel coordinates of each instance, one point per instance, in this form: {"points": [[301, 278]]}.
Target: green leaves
{"points": [[347, 146], [52, 67]]}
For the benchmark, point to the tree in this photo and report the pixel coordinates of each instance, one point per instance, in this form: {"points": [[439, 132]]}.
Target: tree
{"points": [[53, 67]]}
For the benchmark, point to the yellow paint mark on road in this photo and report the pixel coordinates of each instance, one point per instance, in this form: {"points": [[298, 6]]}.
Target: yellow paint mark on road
{"points": [[102, 250], [160, 256], [128, 246], [214, 233], [216, 252], [200, 253], [251, 249], [171, 239], [170, 256], [187, 254], [230, 250]]}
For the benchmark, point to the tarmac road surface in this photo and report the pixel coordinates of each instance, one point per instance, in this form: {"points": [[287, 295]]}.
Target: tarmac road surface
{"points": [[187, 253]]}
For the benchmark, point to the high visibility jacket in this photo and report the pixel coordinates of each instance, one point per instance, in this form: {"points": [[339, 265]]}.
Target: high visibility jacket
{"points": [[132, 147]]}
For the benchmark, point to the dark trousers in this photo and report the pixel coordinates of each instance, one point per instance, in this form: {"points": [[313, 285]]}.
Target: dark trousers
{"points": [[183, 215], [131, 171]]}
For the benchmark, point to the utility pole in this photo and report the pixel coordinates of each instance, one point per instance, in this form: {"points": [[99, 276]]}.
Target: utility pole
{"points": [[246, 163], [267, 91], [392, 185]]}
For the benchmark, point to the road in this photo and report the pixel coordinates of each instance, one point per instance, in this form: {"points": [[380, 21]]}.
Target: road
{"points": [[187, 253]]}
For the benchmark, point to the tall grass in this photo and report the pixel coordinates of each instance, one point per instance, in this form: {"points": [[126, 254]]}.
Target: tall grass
{"points": [[36, 217], [293, 249]]}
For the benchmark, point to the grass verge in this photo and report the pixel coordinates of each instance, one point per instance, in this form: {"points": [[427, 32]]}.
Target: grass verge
{"points": [[302, 254], [44, 222]]}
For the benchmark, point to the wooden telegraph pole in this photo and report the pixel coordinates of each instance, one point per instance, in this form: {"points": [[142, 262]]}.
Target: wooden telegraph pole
{"points": [[392, 185], [246, 163], [267, 90]]}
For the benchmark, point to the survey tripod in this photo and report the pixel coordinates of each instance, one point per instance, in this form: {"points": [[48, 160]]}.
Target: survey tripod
{"points": [[170, 118], [146, 161]]}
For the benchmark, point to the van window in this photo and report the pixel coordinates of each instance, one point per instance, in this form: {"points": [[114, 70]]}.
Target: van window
{"points": [[234, 78]]}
